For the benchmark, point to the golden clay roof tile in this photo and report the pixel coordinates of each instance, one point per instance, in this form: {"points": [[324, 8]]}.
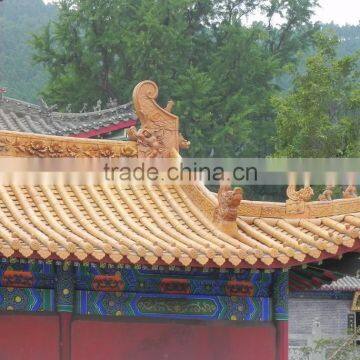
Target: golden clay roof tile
{"points": [[113, 221], [157, 224]]}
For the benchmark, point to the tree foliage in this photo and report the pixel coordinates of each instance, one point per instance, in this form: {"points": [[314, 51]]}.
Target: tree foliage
{"points": [[219, 71], [320, 117], [18, 73]]}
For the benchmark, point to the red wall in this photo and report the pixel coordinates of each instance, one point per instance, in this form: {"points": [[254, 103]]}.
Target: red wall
{"points": [[25, 337], [108, 340]]}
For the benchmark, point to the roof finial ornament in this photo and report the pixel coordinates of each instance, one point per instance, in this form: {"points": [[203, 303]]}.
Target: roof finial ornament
{"points": [[84, 108], [183, 143], [159, 133], [112, 103], [45, 107], [98, 106], [297, 198], [304, 194], [169, 106], [226, 212], [2, 92], [350, 192], [326, 195], [68, 108]]}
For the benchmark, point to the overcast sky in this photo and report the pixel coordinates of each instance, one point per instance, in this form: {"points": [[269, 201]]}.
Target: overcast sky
{"points": [[338, 11]]}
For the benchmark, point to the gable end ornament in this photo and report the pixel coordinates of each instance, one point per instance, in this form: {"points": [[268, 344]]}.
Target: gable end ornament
{"points": [[159, 134]]}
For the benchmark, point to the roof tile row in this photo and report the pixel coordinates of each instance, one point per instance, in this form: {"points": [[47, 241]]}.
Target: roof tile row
{"points": [[154, 223], [20, 116]]}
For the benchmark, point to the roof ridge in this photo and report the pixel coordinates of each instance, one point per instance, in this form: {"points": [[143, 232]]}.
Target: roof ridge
{"points": [[7, 99], [20, 144], [45, 120]]}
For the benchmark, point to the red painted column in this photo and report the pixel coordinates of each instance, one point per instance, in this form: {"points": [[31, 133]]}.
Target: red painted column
{"points": [[280, 299], [65, 305], [65, 335], [282, 340]]}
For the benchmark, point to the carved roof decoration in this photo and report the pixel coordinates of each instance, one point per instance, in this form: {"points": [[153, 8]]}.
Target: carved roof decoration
{"points": [[327, 193], [350, 192], [225, 213], [159, 133], [15, 144], [20, 116], [169, 224], [313, 209], [303, 195]]}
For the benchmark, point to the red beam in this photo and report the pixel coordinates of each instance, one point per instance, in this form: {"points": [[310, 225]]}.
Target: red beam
{"points": [[330, 275], [294, 284], [302, 281], [317, 281], [123, 124]]}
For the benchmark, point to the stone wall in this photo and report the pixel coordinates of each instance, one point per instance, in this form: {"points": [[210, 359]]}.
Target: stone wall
{"points": [[332, 316], [318, 318]]}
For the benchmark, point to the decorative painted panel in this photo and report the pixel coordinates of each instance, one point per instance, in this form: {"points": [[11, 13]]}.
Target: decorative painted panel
{"points": [[22, 299], [159, 291], [27, 274], [64, 287], [173, 306], [281, 294], [174, 280]]}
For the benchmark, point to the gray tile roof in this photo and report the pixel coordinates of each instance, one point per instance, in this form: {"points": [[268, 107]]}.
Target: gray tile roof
{"points": [[16, 115], [347, 283]]}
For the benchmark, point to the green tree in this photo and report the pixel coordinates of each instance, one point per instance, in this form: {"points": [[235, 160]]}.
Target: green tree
{"points": [[219, 71], [244, 70], [349, 35], [320, 117]]}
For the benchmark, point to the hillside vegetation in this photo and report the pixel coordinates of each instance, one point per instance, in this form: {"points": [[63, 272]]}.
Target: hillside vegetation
{"points": [[18, 72]]}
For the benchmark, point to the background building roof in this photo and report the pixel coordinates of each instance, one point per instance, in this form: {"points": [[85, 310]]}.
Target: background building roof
{"points": [[16, 115], [347, 283]]}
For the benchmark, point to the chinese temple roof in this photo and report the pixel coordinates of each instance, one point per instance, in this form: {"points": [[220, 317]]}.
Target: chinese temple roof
{"points": [[166, 224], [172, 224], [16, 115], [347, 283]]}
